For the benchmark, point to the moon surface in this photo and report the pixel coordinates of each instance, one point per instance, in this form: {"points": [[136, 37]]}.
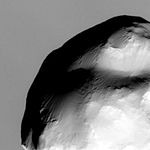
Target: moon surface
{"points": [[93, 93]]}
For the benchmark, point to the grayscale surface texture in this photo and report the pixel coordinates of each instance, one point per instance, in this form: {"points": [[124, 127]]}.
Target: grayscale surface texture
{"points": [[29, 31]]}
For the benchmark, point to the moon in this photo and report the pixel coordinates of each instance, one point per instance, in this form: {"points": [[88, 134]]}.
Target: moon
{"points": [[93, 92]]}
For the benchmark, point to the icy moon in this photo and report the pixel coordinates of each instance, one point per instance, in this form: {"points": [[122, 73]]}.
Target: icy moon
{"points": [[93, 93]]}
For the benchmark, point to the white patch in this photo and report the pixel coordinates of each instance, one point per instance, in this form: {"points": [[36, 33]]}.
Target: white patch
{"points": [[120, 124], [125, 125], [132, 58], [25, 147]]}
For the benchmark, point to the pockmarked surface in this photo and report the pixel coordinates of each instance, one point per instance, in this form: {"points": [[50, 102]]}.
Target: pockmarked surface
{"points": [[93, 93]]}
